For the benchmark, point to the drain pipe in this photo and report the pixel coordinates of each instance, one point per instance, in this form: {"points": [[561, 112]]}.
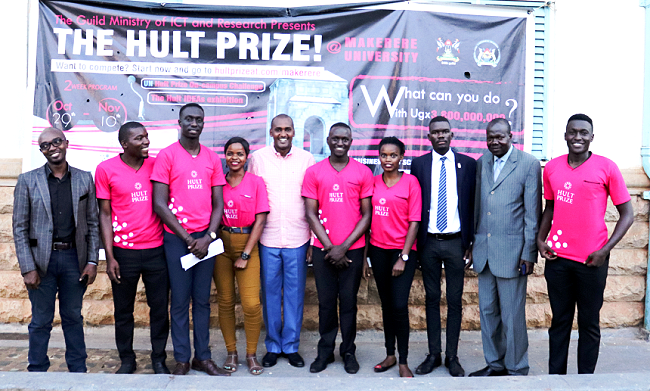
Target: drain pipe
{"points": [[645, 146]]}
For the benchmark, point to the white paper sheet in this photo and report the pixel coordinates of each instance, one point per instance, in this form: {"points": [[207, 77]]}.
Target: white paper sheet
{"points": [[189, 260]]}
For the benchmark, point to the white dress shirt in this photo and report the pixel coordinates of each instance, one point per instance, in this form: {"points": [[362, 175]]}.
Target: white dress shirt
{"points": [[453, 215]]}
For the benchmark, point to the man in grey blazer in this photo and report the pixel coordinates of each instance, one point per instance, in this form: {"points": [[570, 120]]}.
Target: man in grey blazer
{"points": [[507, 214], [56, 232]]}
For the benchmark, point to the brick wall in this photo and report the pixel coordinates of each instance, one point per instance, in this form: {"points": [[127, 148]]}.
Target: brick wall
{"points": [[624, 295]]}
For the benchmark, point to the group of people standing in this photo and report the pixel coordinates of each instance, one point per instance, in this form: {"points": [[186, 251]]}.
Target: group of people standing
{"points": [[277, 211]]}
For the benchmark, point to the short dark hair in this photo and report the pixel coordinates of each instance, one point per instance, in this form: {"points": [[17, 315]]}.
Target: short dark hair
{"points": [[497, 121], [392, 140], [237, 140], [125, 130], [341, 125], [581, 117], [281, 116], [439, 118], [187, 106]]}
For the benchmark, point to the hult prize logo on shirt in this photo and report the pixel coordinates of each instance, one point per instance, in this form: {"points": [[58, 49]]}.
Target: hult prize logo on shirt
{"points": [[565, 195], [335, 196], [229, 211], [194, 184], [381, 210], [139, 195]]}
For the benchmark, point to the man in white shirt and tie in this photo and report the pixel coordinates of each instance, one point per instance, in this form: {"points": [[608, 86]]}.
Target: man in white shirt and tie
{"points": [[445, 236]]}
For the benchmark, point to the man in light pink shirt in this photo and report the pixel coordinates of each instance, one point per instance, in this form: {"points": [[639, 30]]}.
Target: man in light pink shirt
{"points": [[284, 245]]}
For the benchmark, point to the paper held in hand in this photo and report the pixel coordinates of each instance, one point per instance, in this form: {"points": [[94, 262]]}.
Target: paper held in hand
{"points": [[189, 260]]}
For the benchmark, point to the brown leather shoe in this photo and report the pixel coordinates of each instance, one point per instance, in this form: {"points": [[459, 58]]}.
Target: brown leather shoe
{"points": [[209, 367], [181, 368]]}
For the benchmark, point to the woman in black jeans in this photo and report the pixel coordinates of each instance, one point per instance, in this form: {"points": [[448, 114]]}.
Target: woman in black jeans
{"points": [[397, 205]]}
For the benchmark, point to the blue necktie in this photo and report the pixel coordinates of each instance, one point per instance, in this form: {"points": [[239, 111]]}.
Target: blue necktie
{"points": [[497, 168], [441, 220]]}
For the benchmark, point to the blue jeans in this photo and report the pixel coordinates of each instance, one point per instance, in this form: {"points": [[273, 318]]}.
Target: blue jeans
{"points": [[195, 283], [62, 276], [283, 270]]}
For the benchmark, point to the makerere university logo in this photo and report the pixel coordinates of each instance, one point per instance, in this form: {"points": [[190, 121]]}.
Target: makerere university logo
{"points": [[487, 53]]}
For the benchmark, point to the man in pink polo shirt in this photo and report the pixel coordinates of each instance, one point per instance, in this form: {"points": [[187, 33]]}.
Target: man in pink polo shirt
{"points": [[284, 243], [573, 240], [188, 196], [132, 235], [337, 195]]}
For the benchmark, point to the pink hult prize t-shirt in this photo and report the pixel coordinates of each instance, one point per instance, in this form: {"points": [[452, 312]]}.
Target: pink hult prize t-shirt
{"points": [[135, 225], [339, 197], [190, 181], [244, 201], [393, 208], [580, 198]]}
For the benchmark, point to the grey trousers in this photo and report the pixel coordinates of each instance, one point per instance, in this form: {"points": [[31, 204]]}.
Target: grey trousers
{"points": [[502, 302]]}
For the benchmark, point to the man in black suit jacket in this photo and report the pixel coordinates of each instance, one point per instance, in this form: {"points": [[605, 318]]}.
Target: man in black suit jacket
{"points": [[446, 236]]}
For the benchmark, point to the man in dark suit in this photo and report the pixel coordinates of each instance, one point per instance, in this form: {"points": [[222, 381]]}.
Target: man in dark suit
{"points": [[508, 209], [56, 232], [445, 236]]}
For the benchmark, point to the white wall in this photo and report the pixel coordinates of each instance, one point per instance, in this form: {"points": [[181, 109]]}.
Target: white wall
{"points": [[15, 100], [597, 69]]}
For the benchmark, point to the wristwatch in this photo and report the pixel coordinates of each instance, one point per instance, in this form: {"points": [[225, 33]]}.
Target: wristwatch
{"points": [[404, 257], [245, 256], [213, 235]]}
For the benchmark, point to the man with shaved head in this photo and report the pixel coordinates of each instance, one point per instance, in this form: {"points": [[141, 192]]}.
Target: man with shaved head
{"points": [[56, 232]]}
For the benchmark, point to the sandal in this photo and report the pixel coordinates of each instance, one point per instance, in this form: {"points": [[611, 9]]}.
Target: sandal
{"points": [[231, 362], [254, 367]]}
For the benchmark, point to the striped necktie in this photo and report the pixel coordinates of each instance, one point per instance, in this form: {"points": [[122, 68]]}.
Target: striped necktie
{"points": [[441, 217]]}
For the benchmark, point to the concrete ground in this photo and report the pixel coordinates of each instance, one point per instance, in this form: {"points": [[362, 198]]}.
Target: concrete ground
{"points": [[624, 364]]}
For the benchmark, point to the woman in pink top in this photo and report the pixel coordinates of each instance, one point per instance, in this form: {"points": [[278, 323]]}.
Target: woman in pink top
{"points": [[246, 205], [396, 214]]}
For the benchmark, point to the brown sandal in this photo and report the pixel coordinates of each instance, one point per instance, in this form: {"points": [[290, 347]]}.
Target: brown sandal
{"points": [[254, 367], [231, 362]]}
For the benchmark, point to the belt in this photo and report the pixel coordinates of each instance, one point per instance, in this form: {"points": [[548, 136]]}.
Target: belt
{"points": [[445, 236], [238, 230], [62, 245]]}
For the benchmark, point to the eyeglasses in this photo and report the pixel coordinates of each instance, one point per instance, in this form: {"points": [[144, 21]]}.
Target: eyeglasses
{"points": [[44, 146]]}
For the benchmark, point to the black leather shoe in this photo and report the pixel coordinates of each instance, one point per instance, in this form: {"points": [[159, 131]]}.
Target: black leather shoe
{"points": [[430, 363], [455, 369], [350, 363], [160, 368], [487, 371], [270, 359], [320, 364], [295, 360], [127, 367]]}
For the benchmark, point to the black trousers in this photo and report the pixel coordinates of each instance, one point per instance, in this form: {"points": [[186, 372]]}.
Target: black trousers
{"points": [[337, 286], [151, 264], [394, 295], [432, 255], [572, 283]]}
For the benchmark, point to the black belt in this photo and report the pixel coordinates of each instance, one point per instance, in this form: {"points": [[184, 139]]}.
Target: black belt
{"points": [[238, 230], [62, 245], [445, 236]]}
